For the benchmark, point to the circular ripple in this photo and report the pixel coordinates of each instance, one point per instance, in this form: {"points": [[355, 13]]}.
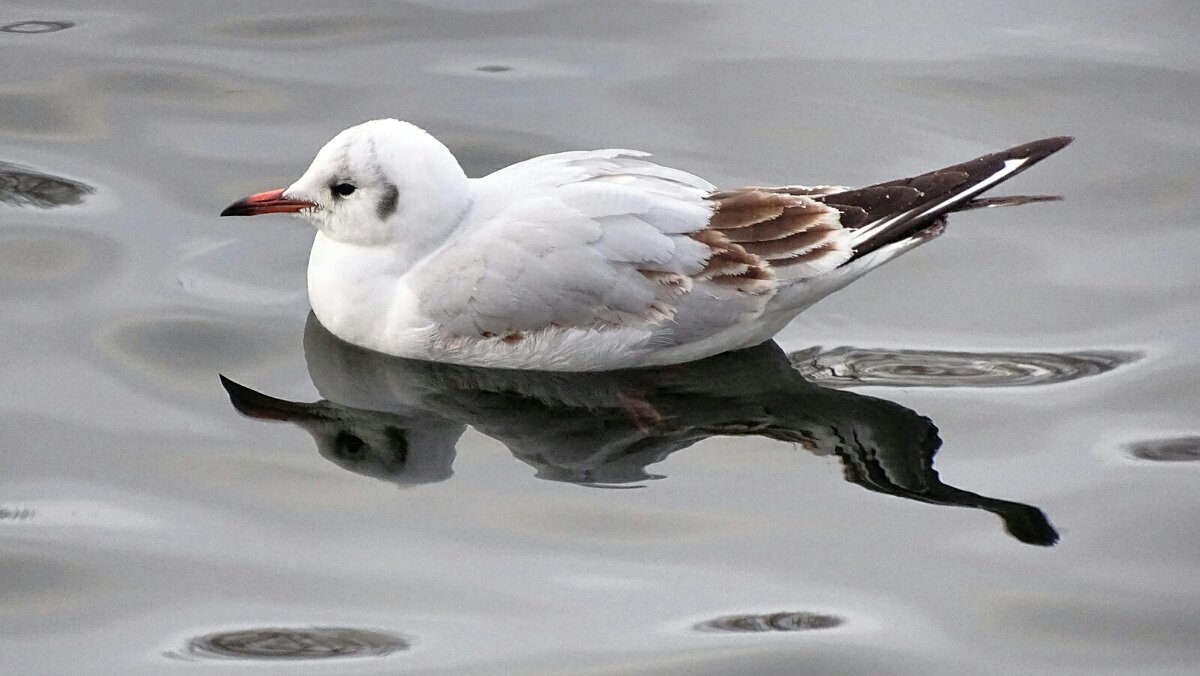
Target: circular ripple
{"points": [[31, 27], [181, 353], [848, 366], [797, 621], [257, 269], [483, 65], [1178, 449], [15, 513], [308, 643], [24, 187]]}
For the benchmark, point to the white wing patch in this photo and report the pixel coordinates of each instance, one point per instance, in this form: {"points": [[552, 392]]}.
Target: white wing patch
{"points": [[608, 240], [574, 240]]}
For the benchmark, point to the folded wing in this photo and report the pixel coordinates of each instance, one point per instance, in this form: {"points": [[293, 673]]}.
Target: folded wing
{"points": [[608, 240]]}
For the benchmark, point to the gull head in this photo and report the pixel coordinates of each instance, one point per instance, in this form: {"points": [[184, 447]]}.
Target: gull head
{"points": [[373, 184], [404, 450]]}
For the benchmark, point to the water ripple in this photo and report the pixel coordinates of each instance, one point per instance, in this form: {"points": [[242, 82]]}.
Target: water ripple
{"points": [[24, 187], [15, 513], [785, 621], [1177, 449], [308, 643], [853, 366], [33, 27]]}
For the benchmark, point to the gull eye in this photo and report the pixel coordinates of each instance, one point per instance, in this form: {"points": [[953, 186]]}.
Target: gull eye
{"points": [[343, 189]]}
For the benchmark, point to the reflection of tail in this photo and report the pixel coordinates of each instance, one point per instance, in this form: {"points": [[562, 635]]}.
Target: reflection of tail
{"points": [[887, 448], [1024, 522]]}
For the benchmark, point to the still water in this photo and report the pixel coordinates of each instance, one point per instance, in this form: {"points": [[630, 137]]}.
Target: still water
{"points": [[982, 458]]}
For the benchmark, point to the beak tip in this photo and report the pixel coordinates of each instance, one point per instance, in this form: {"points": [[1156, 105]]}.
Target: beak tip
{"points": [[270, 202], [241, 207]]}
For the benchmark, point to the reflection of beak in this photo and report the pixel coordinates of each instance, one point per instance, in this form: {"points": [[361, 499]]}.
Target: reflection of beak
{"points": [[258, 405], [270, 202]]}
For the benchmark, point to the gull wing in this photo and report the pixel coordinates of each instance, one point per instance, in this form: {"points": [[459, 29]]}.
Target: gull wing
{"points": [[592, 240], [609, 240]]}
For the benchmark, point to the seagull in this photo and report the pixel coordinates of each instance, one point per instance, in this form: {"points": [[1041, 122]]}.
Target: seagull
{"points": [[590, 260]]}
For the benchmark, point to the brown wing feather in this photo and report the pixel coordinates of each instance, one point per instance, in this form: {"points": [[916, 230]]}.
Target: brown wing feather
{"points": [[731, 265], [757, 229]]}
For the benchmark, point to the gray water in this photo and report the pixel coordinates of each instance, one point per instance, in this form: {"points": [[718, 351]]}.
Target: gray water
{"points": [[992, 466]]}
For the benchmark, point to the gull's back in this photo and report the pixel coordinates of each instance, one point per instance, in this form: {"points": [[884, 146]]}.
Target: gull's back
{"points": [[603, 259]]}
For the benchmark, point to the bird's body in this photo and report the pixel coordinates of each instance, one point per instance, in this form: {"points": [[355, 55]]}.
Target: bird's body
{"points": [[585, 261]]}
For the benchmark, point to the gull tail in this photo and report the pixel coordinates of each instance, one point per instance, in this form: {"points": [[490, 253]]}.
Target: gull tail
{"points": [[894, 211]]}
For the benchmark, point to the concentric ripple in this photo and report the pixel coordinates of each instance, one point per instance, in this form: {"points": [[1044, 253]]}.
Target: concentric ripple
{"points": [[1177, 449], [24, 187], [853, 366], [33, 27], [15, 513], [306, 643], [785, 621]]}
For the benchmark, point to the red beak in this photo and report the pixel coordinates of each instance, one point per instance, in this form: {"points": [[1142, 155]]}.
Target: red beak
{"points": [[270, 202]]}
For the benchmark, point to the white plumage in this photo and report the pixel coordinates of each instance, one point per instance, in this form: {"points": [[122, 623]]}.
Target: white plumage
{"points": [[586, 260]]}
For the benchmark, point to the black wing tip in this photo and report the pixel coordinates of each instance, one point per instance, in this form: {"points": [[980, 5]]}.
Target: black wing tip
{"points": [[1039, 149], [906, 201]]}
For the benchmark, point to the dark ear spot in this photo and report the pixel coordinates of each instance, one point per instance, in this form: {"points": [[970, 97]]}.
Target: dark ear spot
{"points": [[387, 203]]}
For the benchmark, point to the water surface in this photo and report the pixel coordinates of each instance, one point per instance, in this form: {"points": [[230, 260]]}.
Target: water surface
{"points": [[990, 468]]}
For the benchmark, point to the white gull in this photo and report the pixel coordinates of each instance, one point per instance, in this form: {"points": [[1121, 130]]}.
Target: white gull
{"points": [[590, 260]]}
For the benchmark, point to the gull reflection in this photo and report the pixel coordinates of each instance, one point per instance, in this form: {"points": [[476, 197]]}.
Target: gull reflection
{"points": [[399, 420]]}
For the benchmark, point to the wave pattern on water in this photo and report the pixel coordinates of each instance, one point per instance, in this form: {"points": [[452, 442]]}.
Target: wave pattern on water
{"points": [[853, 366], [24, 187], [1176, 449], [34, 27], [785, 621], [306, 643], [40, 260]]}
